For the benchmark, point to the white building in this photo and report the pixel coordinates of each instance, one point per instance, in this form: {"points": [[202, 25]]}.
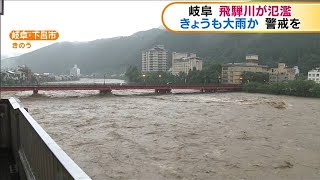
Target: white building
{"points": [[252, 59], [296, 69], [184, 62], [75, 71], [314, 75], [155, 59]]}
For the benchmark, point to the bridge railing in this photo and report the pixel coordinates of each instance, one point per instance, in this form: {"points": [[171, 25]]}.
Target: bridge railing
{"points": [[35, 152], [117, 84]]}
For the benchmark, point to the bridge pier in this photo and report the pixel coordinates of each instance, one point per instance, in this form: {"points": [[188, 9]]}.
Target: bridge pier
{"points": [[162, 91], [105, 92], [35, 92], [208, 90]]}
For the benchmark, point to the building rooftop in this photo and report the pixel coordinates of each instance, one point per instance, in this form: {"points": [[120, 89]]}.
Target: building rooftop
{"points": [[245, 65], [156, 48], [188, 53], [187, 58], [315, 70]]}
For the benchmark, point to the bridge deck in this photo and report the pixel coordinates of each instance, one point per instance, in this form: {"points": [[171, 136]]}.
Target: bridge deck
{"points": [[63, 87]]}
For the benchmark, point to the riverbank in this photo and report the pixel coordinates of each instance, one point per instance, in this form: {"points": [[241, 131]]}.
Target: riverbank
{"points": [[292, 88]]}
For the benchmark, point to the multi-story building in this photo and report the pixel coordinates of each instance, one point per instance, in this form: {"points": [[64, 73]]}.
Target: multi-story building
{"points": [[232, 73], [155, 59], [314, 75], [184, 62], [281, 74], [75, 71]]}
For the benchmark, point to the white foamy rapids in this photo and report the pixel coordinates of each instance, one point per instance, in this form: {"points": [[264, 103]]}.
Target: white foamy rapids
{"points": [[188, 96]]}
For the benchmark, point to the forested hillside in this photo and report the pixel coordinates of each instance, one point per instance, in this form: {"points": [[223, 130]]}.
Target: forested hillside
{"points": [[117, 54]]}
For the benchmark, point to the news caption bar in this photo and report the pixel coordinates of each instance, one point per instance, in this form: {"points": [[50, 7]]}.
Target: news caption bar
{"points": [[242, 17], [22, 38]]}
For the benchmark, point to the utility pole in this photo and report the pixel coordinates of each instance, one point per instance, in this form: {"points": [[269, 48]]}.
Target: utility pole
{"points": [[144, 79], [159, 79]]}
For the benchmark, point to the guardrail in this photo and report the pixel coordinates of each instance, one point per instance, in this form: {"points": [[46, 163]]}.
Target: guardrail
{"points": [[36, 154], [116, 85]]}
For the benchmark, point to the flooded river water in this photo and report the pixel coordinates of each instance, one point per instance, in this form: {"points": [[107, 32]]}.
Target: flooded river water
{"points": [[183, 136]]}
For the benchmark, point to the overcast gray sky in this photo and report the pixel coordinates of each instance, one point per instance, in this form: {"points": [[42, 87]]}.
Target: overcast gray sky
{"points": [[77, 20]]}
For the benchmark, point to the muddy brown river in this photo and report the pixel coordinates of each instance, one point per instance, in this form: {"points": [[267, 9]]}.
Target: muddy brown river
{"points": [[136, 135]]}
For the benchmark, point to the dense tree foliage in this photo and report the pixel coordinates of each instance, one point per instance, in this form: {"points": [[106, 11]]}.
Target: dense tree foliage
{"points": [[300, 87], [292, 88], [209, 75], [253, 82], [255, 77], [133, 74]]}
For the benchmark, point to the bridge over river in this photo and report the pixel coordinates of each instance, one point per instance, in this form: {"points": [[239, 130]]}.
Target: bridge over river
{"points": [[107, 88]]}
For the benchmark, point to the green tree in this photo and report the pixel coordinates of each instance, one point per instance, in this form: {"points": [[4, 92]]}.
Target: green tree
{"points": [[251, 87], [300, 88], [133, 74], [212, 73], [255, 77], [292, 88], [300, 76], [315, 91]]}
